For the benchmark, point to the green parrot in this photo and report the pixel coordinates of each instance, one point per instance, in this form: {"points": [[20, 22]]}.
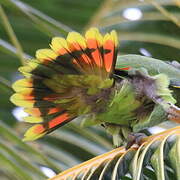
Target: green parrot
{"points": [[77, 78]]}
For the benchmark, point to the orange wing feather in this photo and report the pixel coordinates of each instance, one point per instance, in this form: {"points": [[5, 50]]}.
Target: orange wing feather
{"points": [[93, 54]]}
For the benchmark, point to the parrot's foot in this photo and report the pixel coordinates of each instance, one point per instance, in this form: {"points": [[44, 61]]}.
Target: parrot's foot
{"points": [[174, 113], [135, 138]]}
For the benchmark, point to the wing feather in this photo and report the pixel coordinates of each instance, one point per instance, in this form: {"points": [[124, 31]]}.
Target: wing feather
{"points": [[65, 81]]}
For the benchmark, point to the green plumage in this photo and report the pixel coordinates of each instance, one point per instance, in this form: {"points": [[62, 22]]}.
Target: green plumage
{"points": [[77, 78], [130, 109], [121, 104]]}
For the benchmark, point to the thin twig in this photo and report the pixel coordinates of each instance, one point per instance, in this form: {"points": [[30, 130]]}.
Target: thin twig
{"points": [[12, 35]]}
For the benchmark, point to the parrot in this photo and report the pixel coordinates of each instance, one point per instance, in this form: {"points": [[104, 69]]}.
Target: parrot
{"points": [[76, 78]]}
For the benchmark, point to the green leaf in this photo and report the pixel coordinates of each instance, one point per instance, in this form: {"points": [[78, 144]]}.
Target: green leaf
{"points": [[41, 20], [10, 49], [10, 136], [157, 161], [14, 154], [12, 35], [155, 33], [10, 165], [174, 156]]}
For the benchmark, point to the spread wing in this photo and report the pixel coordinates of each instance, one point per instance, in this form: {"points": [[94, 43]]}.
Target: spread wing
{"points": [[64, 82]]}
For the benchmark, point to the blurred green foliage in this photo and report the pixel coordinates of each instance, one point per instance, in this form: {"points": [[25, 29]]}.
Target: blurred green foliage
{"points": [[155, 34]]}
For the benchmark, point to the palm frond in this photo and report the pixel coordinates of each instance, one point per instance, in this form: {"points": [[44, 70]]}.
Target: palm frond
{"points": [[12, 35], [42, 21], [158, 157], [155, 32]]}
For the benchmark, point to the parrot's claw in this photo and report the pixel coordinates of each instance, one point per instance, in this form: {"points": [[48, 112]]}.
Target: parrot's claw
{"points": [[174, 113], [135, 138]]}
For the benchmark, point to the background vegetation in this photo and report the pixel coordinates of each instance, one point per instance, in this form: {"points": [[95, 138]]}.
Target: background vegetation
{"points": [[155, 32]]}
